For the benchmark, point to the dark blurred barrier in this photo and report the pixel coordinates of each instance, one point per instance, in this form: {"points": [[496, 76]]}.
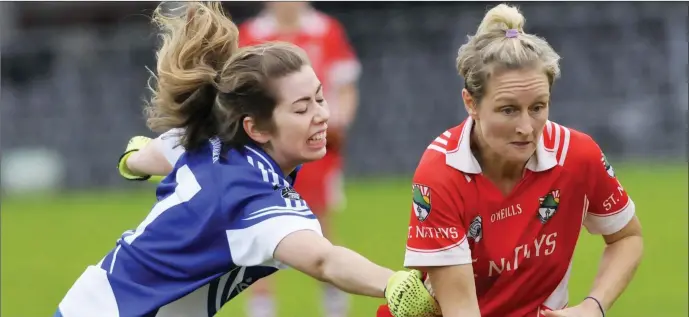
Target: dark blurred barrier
{"points": [[78, 89]]}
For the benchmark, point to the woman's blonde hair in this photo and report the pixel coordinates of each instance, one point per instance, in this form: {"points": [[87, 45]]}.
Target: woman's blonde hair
{"points": [[205, 84], [500, 43]]}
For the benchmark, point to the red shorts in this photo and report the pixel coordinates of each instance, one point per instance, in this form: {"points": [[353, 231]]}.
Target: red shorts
{"points": [[319, 183]]}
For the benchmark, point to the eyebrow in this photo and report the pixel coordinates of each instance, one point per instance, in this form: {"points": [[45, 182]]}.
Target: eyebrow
{"points": [[307, 98], [512, 99]]}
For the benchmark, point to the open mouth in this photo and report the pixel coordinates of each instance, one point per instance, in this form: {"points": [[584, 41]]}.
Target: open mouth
{"points": [[318, 137]]}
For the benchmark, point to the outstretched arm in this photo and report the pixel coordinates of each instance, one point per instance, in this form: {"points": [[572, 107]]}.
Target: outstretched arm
{"points": [[309, 252]]}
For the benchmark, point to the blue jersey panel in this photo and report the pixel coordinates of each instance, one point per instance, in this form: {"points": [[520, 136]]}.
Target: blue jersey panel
{"points": [[210, 235]]}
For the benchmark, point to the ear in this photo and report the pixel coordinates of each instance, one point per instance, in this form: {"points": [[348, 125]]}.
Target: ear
{"points": [[252, 130], [469, 104]]}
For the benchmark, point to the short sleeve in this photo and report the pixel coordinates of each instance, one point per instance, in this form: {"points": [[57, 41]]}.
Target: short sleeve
{"points": [[268, 215], [436, 234], [609, 206], [344, 67], [170, 145]]}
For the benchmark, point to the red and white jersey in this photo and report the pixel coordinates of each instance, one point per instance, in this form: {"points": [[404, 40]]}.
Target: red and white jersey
{"points": [[321, 36], [520, 245]]}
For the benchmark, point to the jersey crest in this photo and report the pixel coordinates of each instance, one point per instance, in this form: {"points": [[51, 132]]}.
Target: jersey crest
{"points": [[476, 229], [548, 205], [608, 167], [289, 193], [422, 201]]}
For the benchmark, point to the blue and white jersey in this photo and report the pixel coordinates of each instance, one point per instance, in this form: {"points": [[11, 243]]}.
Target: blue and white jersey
{"points": [[211, 234]]}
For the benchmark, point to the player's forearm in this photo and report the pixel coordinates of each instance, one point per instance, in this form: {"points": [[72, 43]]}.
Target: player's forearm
{"points": [[149, 161], [353, 273], [454, 290], [618, 265]]}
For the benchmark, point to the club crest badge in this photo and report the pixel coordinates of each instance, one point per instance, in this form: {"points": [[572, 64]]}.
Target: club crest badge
{"points": [[289, 193], [608, 167], [476, 229], [421, 198], [548, 205]]}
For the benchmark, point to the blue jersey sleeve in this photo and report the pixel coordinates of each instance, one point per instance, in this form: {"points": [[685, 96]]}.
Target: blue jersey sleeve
{"points": [[270, 211]]}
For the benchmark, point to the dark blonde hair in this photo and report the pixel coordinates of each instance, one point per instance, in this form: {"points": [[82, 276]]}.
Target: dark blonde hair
{"points": [[205, 84], [491, 50]]}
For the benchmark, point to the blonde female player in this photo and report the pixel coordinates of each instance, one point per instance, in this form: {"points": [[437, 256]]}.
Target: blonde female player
{"points": [[499, 200], [227, 215]]}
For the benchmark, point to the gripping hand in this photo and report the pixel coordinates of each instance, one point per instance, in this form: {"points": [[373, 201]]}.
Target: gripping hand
{"points": [[135, 144], [408, 297]]}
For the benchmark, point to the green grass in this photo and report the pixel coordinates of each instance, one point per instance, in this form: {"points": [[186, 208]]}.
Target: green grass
{"points": [[47, 242]]}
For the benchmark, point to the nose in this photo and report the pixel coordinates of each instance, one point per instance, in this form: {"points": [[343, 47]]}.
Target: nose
{"points": [[322, 115], [524, 126]]}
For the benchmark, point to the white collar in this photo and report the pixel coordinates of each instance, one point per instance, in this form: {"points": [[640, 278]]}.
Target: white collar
{"points": [[463, 159], [266, 25]]}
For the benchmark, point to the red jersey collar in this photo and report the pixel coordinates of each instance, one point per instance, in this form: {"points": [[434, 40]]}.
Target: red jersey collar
{"points": [[463, 159]]}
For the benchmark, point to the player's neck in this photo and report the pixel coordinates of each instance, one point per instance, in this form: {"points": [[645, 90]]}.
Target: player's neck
{"points": [[493, 166], [499, 170], [288, 23], [283, 164]]}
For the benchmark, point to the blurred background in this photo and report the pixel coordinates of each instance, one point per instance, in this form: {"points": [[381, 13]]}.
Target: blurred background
{"points": [[73, 81]]}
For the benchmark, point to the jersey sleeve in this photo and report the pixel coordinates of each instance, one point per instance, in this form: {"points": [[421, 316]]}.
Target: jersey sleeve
{"points": [[344, 67], [170, 145], [609, 206], [271, 211], [436, 234]]}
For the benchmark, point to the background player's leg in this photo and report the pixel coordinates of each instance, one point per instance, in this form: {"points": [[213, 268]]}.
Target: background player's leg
{"points": [[261, 303], [335, 301], [315, 183]]}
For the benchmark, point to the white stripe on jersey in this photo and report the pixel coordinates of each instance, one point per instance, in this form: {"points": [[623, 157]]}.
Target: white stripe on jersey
{"points": [[561, 140], [270, 176], [270, 166], [114, 257], [549, 127], [436, 148], [299, 204], [565, 147], [556, 146], [264, 172], [441, 140], [187, 187], [238, 278], [280, 211], [287, 208], [276, 178]]}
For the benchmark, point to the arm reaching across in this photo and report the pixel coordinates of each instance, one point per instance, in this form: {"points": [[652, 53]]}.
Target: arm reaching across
{"points": [[309, 252], [150, 159]]}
